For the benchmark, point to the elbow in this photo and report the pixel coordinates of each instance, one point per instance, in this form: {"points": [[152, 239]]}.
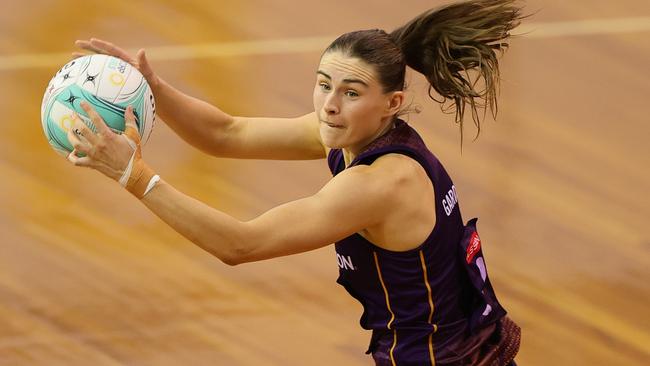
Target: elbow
{"points": [[235, 256], [238, 249], [231, 260]]}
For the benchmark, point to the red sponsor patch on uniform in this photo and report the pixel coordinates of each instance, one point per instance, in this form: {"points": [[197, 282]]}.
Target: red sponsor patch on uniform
{"points": [[473, 247]]}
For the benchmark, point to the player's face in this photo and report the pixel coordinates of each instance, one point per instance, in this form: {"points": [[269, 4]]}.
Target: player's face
{"points": [[350, 102]]}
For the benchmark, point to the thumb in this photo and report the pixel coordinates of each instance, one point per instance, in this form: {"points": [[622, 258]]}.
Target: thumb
{"points": [[145, 67]]}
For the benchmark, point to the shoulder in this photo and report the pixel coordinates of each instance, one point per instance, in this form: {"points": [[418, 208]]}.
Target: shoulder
{"points": [[395, 170], [386, 177]]}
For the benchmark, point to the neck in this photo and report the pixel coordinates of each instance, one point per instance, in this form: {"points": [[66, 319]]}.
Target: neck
{"points": [[350, 153]]}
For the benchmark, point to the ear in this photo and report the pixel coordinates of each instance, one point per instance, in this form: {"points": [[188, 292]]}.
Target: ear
{"points": [[394, 102]]}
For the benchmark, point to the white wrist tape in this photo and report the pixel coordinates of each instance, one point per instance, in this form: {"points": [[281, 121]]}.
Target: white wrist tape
{"points": [[124, 179], [155, 179]]}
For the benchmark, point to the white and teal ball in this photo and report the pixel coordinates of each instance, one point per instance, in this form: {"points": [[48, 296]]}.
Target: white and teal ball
{"points": [[109, 85]]}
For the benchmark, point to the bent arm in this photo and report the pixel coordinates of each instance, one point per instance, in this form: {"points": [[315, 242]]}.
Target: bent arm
{"points": [[350, 202], [217, 133]]}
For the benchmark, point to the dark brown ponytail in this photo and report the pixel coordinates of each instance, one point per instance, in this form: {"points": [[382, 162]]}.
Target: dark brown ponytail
{"points": [[455, 46]]}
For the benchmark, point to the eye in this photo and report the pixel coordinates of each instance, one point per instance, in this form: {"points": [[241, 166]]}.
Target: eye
{"points": [[351, 94], [324, 86]]}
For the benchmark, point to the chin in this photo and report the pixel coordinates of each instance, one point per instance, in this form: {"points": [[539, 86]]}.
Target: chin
{"points": [[332, 142]]}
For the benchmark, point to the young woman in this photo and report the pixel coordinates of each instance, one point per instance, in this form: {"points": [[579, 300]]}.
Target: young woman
{"points": [[391, 208]]}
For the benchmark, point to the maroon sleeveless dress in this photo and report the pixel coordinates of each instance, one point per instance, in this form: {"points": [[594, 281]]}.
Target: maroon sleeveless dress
{"points": [[433, 304]]}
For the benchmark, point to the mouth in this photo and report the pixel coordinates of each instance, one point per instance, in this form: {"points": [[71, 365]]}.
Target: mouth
{"points": [[332, 125]]}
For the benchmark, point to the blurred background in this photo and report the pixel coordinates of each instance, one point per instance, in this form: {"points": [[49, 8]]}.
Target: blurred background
{"points": [[560, 183]]}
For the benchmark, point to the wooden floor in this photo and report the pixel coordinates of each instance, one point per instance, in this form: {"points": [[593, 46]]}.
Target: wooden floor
{"points": [[560, 182]]}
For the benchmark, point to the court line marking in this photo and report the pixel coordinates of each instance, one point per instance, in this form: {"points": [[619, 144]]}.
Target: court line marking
{"points": [[533, 30]]}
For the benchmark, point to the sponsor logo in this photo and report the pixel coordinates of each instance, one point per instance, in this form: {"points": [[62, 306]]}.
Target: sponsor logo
{"points": [[473, 247], [66, 123], [345, 262], [118, 65], [116, 79]]}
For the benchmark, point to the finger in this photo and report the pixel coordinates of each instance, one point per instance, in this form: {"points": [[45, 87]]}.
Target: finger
{"points": [[111, 49], [77, 144], [77, 55], [131, 130], [79, 161], [96, 119], [86, 45], [80, 128]]}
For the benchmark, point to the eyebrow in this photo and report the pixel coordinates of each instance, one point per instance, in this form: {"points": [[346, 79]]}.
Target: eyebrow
{"points": [[349, 81]]}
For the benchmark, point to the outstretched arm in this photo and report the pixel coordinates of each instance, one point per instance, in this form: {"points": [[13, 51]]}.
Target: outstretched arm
{"points": [[350, 202], [215, 132], [357, 198]]}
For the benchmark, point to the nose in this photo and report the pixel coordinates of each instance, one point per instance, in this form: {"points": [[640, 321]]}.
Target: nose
{"points": [[331, 105]]}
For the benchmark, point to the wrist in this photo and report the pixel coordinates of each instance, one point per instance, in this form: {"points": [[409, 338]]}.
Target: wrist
{"points": [[142, 180]]}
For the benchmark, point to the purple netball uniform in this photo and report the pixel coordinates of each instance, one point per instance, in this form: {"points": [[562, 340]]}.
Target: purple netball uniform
{"points": [[429, 305]]}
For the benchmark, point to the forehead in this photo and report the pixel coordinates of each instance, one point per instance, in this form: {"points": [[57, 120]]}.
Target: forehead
{"points": [[341, 66]]}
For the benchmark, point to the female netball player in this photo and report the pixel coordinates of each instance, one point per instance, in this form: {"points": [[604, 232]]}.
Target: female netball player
{"points": [[391, 208]]}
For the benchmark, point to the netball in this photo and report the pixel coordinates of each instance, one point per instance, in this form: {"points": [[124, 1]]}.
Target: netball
{"points": [[109, 84]]}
